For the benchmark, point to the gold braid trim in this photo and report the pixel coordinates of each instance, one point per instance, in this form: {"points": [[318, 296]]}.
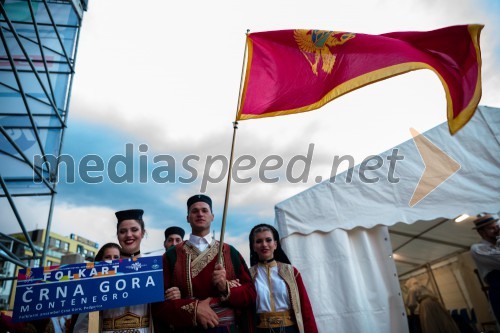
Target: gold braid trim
{"points": [[253, 272], [195, 323], [199, 260], [191, 308], [189, 283], [287, 273]]}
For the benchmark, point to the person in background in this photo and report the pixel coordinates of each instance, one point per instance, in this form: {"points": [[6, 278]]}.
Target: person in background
{"points": [[210, 301], [486, 255], [173, 236], [434, 318], [282, 303], [108, 252]]}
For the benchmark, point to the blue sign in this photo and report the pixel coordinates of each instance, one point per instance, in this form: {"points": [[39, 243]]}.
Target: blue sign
{"points": [[62, 290]]}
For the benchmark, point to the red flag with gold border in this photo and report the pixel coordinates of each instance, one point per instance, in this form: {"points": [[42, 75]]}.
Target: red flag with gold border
{"points": [[292, 71]]}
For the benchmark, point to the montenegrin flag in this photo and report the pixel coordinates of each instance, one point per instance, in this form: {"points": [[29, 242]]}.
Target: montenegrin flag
{"points": [[292, 71]]}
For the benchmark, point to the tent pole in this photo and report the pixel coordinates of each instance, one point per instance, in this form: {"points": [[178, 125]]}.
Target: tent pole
{"points": [[434, 283]]}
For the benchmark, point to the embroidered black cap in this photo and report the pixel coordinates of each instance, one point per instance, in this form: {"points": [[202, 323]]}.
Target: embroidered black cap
{"points": [[197, 198], [174, 231], [129, 214]]}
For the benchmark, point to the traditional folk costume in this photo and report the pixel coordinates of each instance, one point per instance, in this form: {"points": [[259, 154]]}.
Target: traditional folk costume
{"points": [[127, 319], [282, 301], [189, 266]]}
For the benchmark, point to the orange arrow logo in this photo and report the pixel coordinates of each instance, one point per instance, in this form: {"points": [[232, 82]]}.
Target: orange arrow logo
{"points": [[438, 167]]}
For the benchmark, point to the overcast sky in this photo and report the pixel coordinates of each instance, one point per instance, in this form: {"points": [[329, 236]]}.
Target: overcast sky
{"points": [[166, 75]]}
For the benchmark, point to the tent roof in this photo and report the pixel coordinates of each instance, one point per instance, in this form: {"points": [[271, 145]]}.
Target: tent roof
{"points": [[428, 232], [428, 242]]}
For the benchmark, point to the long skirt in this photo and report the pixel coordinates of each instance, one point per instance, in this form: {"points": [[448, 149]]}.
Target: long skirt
{"points": [[434, 318], [288, 329]]}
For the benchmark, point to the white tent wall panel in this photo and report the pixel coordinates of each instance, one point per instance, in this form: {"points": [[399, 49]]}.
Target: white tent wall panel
{"points": [[357, 280]]}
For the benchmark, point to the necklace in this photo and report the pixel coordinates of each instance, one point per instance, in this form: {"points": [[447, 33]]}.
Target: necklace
{"points": [[128, 255], [266, 261]]}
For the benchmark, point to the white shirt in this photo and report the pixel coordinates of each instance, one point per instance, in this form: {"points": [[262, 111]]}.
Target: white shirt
{"points": [[201, 243], [486, 256], [272, 293]]}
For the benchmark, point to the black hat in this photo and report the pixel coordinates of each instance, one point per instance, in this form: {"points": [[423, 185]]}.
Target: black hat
{"points": [[130, 214], [483, 220], [197, 198], [174, 231]]}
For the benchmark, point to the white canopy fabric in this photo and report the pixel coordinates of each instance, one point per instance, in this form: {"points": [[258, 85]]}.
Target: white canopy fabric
{"points": [[336, 233]]}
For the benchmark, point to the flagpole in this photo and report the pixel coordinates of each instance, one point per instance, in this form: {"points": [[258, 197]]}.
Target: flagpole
{"points": [[229, 172]]}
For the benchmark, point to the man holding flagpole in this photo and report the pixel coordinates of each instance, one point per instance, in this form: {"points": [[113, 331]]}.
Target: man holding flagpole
{"points": [[215, 297]]}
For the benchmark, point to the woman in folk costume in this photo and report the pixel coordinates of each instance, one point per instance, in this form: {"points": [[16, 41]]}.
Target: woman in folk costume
{"points": [[108, 252], [130, 232], [434, 318], [136, 318], [282, 303]]}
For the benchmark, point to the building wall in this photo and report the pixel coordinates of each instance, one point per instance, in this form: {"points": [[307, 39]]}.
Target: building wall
{"points": [[59, 246], [6, 269]]}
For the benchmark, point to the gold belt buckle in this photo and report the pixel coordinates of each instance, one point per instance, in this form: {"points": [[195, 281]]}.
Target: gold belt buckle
{"points": [[275, 320]]}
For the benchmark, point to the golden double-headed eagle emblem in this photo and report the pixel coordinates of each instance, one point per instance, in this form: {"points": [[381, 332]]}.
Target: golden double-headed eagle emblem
{"points": [[318, 44]]}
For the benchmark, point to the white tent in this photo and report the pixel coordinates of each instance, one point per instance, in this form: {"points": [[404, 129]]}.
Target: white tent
{"points": [[336, 232]]}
